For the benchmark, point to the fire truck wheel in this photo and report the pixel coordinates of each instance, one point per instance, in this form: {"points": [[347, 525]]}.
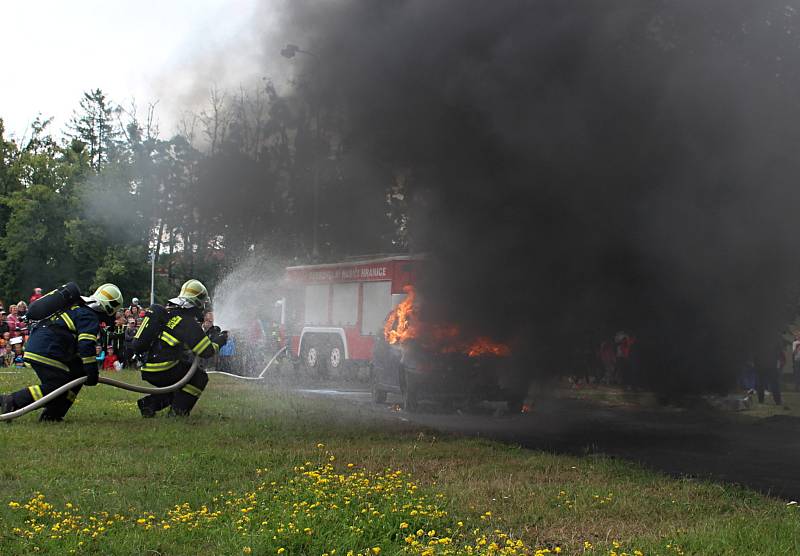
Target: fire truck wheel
{"points": [[312, 356], [335, 360]]}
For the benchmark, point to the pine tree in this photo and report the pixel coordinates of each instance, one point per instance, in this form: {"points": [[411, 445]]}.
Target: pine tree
{"points": [[93, 125]]}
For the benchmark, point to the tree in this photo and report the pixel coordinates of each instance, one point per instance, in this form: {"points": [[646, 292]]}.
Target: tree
{"points": [[94, 126]]}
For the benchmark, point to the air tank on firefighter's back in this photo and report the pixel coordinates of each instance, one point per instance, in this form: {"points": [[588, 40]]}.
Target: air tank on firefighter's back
{"points": [[55, 301]]}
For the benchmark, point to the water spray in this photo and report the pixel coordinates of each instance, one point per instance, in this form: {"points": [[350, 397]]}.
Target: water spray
{"points": [[103, 380], [260, 376]]}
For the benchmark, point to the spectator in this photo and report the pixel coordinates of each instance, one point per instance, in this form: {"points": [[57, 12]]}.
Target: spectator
{"points": [[3, 324], [608, 359], [37, 293], [796, 363], [226, 354], [116, 337], [625, 359], [22, 323], [748, 377], [769, 361], [135, 308], [100, 356], [8, 354], [111, 363], [102, 335], [4, 347], [18, 353], [208, 321], [130, 332], [12, 320]]}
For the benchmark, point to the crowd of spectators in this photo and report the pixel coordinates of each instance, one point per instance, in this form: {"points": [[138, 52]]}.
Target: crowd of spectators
{"points": [[114, 350]]}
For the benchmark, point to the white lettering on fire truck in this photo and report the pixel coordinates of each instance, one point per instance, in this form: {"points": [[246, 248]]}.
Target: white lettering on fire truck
{"points": [[357, 273]]}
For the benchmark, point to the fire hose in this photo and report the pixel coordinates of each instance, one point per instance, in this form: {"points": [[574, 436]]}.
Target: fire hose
{"points": [[260, 376], [103, 380]]}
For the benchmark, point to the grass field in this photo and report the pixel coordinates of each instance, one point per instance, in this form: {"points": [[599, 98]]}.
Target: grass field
{"points": [[255, 471]]}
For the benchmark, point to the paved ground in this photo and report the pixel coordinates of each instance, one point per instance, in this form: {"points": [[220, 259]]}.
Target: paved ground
{"points": [[763, 454]]}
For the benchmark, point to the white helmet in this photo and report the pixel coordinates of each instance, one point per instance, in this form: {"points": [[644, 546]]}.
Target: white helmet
{"points": [[106, 299], [193, 294]]}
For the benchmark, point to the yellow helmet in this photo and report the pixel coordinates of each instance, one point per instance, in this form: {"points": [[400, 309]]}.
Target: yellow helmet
{"points": [[193, 293], [106, 299]]}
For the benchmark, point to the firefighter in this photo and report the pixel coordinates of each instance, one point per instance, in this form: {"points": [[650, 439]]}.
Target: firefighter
{"points": [[61, 348], [170, 353]]}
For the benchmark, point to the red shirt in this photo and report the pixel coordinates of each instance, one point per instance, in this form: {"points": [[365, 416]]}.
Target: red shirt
{"points": [[108, 362]]}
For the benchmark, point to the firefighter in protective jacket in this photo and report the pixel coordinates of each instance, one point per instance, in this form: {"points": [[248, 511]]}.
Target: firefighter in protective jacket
{"points": [[171, 353], [61, 348]]}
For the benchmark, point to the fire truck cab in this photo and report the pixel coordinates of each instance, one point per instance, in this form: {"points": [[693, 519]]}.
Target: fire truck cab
{"points": [[335, 311]]}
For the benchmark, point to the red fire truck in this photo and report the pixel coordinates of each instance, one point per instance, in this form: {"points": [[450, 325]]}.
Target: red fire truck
{"points": [[333, 312]]}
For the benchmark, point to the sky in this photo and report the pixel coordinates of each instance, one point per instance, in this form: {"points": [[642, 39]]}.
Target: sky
{"points": [[148, 50]]}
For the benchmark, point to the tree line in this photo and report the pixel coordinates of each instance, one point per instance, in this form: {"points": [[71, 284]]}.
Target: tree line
{"points": [[252, 173]]}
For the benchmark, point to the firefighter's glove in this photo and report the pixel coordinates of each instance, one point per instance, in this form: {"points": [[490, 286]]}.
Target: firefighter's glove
{"points": [[221, 339], [213, 332], [92, 377]]}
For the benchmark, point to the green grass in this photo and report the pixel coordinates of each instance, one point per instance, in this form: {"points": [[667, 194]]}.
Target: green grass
{"points": [[247, 464]]}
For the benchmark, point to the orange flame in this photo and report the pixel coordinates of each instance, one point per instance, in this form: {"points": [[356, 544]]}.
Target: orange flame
{"points": [[403, 324], [402, 331]]}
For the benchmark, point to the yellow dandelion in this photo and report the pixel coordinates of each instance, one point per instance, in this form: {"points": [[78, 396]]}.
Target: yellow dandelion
{"points": [[247, 550]]}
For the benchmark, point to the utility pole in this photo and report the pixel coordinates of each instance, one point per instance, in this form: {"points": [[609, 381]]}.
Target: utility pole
{"points": [[152, 277]]}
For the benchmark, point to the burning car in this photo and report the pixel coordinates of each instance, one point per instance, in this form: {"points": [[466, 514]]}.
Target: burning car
{"points": [[435, 362]]}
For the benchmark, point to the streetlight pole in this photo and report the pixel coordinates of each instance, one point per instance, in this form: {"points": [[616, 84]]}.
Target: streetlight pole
{"points": [[152, 277], [289, 51]]}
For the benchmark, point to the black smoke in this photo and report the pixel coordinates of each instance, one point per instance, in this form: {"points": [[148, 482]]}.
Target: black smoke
{"points": [[582, 167]]}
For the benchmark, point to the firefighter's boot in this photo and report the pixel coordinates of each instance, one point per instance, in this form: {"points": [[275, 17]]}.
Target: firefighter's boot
{"points": [[185, 399], [7, 404], [145, 409]]}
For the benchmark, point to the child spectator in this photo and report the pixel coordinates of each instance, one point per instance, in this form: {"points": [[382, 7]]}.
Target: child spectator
{"points": [[111, 363], [100, 356], [18, 354]]}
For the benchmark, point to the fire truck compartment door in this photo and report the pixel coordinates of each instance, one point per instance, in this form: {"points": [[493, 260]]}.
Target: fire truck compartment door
{"points": [[345, 303], [376, 306], [316, 304]]}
